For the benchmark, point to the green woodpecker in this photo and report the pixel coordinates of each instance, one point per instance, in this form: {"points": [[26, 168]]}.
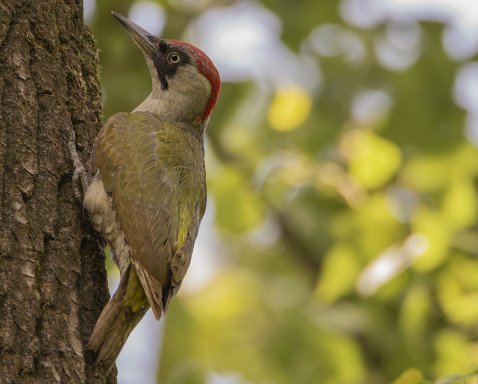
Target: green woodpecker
{"points": [[148, 195]]}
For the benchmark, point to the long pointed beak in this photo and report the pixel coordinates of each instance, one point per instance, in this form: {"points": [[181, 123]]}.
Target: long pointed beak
{"points": [[140, 36]]}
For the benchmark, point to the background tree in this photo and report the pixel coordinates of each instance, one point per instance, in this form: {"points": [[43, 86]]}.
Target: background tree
{"points": [[340, 240], [52, 277]]}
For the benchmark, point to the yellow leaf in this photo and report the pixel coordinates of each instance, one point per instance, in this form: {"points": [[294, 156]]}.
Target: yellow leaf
{"points": [[415, 311], [437, 232], [453, 353], [290, 107], [459, 204], [410, 376], [372, 159], [333, 285], [433, 172], [457, 290]]}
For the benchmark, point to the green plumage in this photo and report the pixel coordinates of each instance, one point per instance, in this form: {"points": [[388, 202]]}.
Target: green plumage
{"points": [[154, 174]]}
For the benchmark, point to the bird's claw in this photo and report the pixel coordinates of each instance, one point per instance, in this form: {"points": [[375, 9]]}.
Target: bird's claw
{"points": [[80, 177]]}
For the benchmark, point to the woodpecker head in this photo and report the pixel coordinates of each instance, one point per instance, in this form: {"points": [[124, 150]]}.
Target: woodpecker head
{"points": [[185, 82]]}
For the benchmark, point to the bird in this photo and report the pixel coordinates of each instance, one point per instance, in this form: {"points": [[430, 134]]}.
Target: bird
{"points": [[148, 193]]}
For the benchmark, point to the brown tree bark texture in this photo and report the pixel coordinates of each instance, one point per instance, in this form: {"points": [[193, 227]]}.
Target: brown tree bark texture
{"points": [[52, 275]]}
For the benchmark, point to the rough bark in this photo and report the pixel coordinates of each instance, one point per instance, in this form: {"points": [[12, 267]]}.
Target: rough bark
{"points": [[52, 276]]}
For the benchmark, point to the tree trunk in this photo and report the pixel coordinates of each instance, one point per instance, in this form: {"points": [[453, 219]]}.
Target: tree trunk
{"points": [[52, 275]]}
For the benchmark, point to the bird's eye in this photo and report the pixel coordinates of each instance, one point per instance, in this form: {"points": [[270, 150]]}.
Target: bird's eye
{"points": [[174, 58]]}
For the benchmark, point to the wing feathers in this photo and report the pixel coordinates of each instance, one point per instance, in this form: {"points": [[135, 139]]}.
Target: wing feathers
{"points": [[155, 174]]}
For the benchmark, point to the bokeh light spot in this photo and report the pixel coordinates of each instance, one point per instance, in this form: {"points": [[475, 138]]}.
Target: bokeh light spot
{"points": [[290, 107]]}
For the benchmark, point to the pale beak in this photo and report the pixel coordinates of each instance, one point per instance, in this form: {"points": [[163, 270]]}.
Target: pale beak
{"points": [[140, 36]]}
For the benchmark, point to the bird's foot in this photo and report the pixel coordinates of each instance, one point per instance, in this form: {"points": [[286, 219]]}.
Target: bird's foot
{"points": [[80, 177]]}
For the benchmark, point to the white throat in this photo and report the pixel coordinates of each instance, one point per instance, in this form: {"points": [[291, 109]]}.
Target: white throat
{"points": [[183, 101]]}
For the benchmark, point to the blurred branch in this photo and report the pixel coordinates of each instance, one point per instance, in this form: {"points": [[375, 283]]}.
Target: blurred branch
{"points": [[297, 245]]}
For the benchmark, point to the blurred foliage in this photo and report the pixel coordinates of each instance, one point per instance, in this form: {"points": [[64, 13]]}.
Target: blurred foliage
{"points": [[347, 238]]}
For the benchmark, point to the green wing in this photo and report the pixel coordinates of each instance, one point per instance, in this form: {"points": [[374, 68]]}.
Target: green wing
{"points": [[154, 173]]}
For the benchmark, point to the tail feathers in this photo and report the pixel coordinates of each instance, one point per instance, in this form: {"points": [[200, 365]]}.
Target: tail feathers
{"points": [[119, 317], [152, 289]]}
